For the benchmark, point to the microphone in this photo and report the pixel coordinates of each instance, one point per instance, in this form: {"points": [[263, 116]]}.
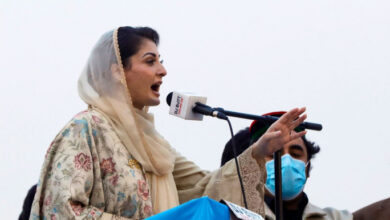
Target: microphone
{"points": [[191, 107]]}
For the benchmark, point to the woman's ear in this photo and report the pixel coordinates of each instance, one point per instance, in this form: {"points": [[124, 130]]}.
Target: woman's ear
{"points": [[116, 72]]}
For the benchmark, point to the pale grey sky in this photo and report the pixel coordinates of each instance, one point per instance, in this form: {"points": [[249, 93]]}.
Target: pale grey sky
{"points": [[252, 56]]}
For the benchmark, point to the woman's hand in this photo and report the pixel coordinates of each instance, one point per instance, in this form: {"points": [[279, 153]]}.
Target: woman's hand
{"points": [[279, 134]]}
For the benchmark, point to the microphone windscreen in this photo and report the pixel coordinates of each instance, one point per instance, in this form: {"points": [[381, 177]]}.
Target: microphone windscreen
{"points": [[169, 98]]}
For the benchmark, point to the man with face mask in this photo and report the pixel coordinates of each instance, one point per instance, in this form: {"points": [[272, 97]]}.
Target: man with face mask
{"points": [[296, 157]]}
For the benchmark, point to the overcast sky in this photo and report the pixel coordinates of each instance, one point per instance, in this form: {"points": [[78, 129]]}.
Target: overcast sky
{"points": [[251, 56]]}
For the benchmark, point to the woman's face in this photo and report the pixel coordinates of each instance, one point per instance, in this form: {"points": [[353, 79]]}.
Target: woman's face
{"points": [[144, 77]]}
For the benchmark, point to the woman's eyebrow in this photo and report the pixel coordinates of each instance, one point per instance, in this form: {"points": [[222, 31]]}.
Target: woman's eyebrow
{"points": [[151, 53]]}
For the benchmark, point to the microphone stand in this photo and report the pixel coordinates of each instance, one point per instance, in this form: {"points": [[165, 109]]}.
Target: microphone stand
{"points": [[277, 154], [278, 185], [268, 118]]}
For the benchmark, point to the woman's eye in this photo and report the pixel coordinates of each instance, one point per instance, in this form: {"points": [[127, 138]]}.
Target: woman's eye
{"points": [[150, 61]]}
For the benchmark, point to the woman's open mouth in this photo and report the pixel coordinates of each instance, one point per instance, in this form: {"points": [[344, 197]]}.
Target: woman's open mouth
{"points": [[156, 88]]}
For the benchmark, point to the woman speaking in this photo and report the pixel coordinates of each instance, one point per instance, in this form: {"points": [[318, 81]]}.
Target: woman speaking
{"points": [[109, 162]]}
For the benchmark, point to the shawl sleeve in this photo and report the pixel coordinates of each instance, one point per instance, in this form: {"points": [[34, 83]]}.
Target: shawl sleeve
{"points": [[192, 182], [68, 177]]}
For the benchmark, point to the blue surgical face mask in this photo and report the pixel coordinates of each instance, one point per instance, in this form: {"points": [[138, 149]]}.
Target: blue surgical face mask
{"points": [[293, 177]]}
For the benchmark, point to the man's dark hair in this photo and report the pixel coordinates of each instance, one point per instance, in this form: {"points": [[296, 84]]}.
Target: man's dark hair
{"points": [[242, 139], [26, 210], [131, 38], [311, 147]]}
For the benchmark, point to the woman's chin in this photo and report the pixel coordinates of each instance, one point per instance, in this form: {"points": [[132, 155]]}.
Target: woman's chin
{"points": [[154, 102]]}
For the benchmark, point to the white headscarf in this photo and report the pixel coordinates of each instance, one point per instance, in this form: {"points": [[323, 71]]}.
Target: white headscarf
{"points": [[103, 86]]}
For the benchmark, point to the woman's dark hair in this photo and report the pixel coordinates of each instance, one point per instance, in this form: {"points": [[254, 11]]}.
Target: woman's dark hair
{"points": [[130, 40], [242, 139]]}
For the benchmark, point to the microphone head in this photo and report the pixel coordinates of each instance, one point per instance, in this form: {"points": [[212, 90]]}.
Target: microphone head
{"points": [[181, 105], [169, 98]]}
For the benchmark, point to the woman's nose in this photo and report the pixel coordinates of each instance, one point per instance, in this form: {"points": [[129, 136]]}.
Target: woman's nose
{"points": [[162, 71]]}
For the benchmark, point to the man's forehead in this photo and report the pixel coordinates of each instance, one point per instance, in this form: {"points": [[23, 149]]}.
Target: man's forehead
{"points": [[296, 144]]}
